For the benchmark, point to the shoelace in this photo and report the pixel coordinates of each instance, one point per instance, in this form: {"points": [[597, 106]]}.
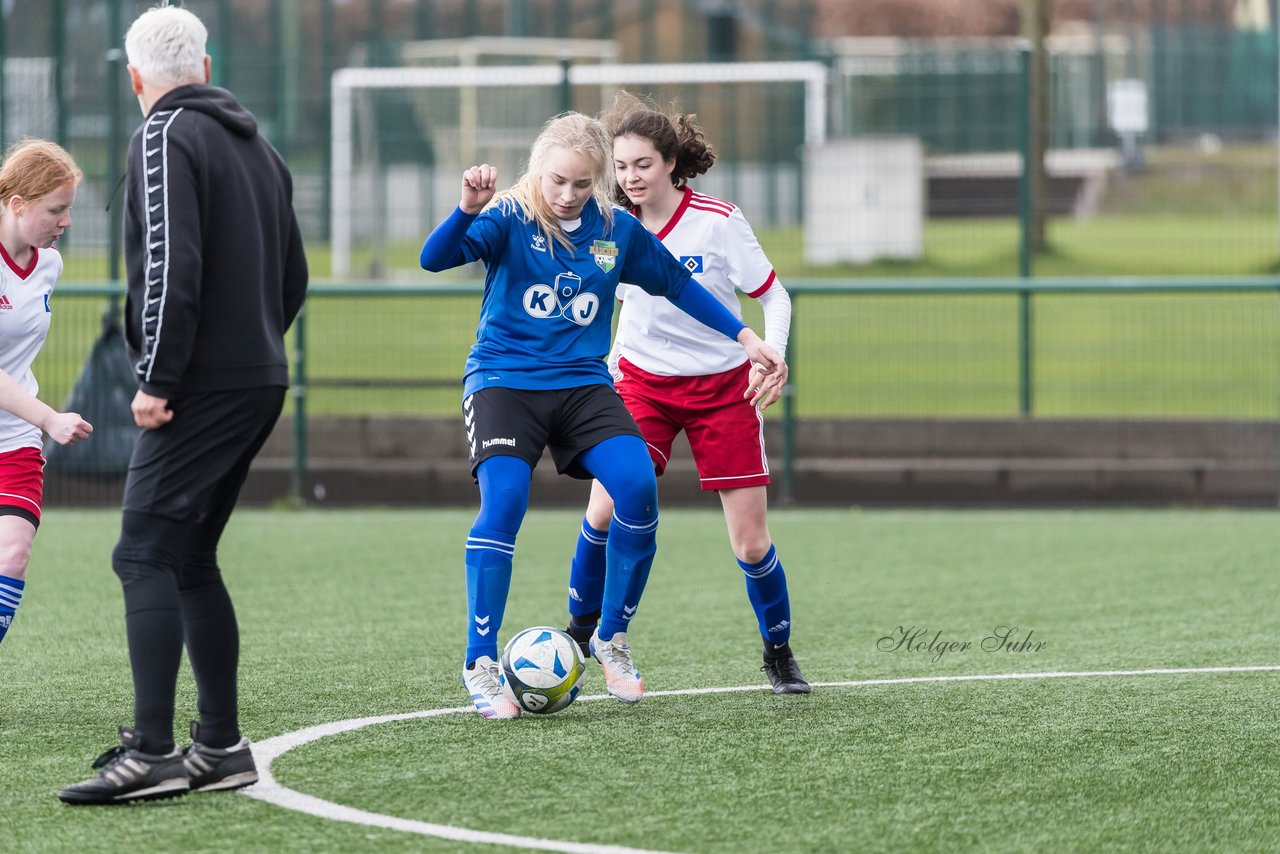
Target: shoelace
{"points": [[110, 756], [786, 668], [489, 686], [619, 656]]}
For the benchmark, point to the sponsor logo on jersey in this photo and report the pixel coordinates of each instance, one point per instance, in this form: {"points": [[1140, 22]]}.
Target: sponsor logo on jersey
{"points": [[565, 300], [538, 244], [605, 253], [692, 263], [5, 305], [46, 304]]}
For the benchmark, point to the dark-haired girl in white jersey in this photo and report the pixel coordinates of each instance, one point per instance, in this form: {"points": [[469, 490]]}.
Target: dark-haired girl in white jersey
{"points": [[676, 375]]}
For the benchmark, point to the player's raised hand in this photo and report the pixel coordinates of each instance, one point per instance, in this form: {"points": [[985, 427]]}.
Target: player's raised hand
{"points": [[67, 428], [478, 185]]}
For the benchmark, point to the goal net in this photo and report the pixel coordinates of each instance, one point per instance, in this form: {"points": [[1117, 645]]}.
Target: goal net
{"points": [[401, 138]]}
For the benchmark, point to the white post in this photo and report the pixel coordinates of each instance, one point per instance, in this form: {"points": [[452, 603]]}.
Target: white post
{"points": [[340, 162]]}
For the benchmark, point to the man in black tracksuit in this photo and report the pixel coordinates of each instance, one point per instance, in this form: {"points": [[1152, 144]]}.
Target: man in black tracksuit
{"points": [[216, 276]]}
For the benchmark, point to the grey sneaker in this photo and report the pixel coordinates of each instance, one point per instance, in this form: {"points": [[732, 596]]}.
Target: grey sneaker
{"points": [[213, 769], [130, 775]]}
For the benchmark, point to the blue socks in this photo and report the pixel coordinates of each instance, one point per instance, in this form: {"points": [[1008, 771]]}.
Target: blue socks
{"points": [[491, 543], [767, 590], [586, 575], [10, 598], [629, 554], [488, 581]]}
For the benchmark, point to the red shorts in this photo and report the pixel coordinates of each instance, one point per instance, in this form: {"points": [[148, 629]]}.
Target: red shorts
{"points": [[726, 433], [22, 482]]}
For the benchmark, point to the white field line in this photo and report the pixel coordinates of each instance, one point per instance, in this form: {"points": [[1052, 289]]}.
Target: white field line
{"points": [[267, 789]]}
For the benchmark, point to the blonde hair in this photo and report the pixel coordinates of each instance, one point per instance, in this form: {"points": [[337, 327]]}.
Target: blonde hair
{"points": [[575, 132], [34, 168]]}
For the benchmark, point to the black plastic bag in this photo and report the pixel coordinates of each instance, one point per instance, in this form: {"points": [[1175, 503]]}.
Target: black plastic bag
{"points": [[102, 395]]}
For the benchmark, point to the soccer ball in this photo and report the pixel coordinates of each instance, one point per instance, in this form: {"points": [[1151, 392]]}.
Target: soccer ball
{"points": [[542, 670]]}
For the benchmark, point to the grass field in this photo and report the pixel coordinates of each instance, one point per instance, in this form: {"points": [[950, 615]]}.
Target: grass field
{"points": [[358, 614]]}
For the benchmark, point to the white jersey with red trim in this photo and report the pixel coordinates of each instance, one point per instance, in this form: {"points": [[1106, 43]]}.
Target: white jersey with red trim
{"points": [[712, 239], [24, 323]]}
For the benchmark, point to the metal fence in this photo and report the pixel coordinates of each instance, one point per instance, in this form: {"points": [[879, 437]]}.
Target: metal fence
{"points": [[947, 351]]}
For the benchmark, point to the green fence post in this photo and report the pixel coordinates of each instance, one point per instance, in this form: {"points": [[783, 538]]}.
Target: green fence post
{"points": [[115, 149], [4, 105], [59, 48], [299, 389], [566, 90], [1024, 230]]}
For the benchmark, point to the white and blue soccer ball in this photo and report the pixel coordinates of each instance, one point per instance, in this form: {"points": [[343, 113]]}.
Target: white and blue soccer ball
{"points": [[542, 670]]}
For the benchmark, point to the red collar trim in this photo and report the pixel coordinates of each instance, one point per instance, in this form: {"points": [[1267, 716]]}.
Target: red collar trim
{"points": [[22, 274], [675, 217]]}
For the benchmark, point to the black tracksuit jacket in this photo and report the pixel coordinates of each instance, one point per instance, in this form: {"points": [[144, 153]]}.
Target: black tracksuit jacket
{"points": [[214, 256]]}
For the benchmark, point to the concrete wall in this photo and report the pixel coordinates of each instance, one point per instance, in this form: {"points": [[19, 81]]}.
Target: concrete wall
{"points": [[871, 462]]}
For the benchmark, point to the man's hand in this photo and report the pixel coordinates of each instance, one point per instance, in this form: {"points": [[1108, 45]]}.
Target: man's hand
{"points": [[150, 412], [67, 428]]}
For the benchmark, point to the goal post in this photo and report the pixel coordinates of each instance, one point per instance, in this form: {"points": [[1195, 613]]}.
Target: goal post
{"points": [[530, 95]]}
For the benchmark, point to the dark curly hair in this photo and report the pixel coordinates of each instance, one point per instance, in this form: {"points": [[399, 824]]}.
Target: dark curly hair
{"points": [[675, 135]]}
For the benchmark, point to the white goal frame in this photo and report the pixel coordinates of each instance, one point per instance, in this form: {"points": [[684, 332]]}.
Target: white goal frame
{"points": [[345, 81]]}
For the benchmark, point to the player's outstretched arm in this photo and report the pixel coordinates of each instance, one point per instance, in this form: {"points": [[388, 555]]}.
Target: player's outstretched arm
{"points": [[66, 428]]}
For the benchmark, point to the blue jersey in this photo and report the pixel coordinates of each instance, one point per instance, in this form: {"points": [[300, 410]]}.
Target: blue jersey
{"points": [[546, 318]]}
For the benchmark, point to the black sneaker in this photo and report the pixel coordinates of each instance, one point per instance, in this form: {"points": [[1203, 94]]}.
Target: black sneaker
{"points": [[213, 769], [129, 775], [582, 636], [784, 674]]}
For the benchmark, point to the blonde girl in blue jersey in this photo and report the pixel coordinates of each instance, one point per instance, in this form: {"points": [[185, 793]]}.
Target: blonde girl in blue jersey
{"points": [[555, 250]]}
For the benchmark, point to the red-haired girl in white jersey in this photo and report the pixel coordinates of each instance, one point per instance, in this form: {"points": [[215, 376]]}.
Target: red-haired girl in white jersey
{"points": [[673, 374], [38, 181]]}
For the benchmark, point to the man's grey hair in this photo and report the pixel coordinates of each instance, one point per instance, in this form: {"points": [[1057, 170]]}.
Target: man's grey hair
{"points": [[166, 45]]}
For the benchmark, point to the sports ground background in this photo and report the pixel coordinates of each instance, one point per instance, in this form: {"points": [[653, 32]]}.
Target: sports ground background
{"points": [[1053, 421]]}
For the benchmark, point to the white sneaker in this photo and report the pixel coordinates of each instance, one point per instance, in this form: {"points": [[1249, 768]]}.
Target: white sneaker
{"points": [[620, 673], [484, 681]]}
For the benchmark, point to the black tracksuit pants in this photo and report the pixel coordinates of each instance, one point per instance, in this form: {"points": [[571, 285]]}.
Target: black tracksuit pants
{"points": [[183, 483]]}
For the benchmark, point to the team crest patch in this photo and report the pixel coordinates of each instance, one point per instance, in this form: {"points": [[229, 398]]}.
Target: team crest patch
{"points": [[692, 263], [605, 253]]}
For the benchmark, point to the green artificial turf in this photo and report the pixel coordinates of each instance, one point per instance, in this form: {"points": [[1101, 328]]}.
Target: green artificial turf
{"points": [[347, 614]]}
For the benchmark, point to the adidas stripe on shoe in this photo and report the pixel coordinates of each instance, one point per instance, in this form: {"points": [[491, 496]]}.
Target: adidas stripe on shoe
{"points": [[214, 769], [128, 775]]}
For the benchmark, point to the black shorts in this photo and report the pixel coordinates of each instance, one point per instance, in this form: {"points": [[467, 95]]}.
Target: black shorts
{"points": [[520, 423], [195, 465]]}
